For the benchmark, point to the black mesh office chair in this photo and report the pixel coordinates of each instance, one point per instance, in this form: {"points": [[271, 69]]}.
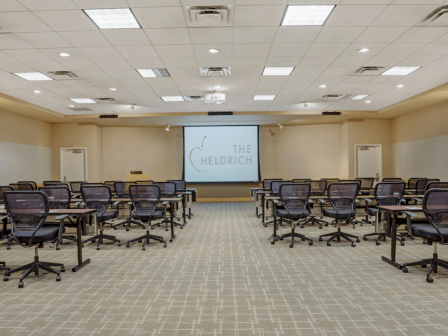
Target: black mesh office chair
{"points": [[412, 182], [298, 180], [75, 186], [22, 186], [59, 197], [420, 185], [342, 197], [111, 184], [353, 220], [294, 198], [34, 184], [366, 184], [275, 189], [330, 180], [28, 211], [436, 185], [435, 207], [4, 232], [386, 194], [99, 197], [167, 190], [318, 188], [392, 179], [51, 182], [122, 191], [181, 186], [145, 199], [267, 183]]}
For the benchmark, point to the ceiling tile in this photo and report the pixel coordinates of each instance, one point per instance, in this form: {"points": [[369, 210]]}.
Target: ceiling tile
{"points": [[316, 61], [85, 65], [28, 55], [4, 58], [440, 49], [159, 81], [129, 81], [211, 35], [75, 83], [297, 34], [114, 73], [401, 49], [130, 52], [289, 49], [99, 53], [344, 61], [354, 15], [126, 37], [66, 20], [169, 36], [188, 80], [254, 34], [38, 5], [308, 70], [282, 61], [75, 54], [243, 72], [113, 64], [47, 66], [85, 39], [160, 17], [11, 6], [258, 15], [146, 63], [326, 49], [180, 62], [214, 61], [385, 61], [339, 34], [153, 3], [22, 22], [44, 40], [381, 34], [423, 34], [246, 79], [241, 62], [403, 15], [201, 50], [250, 50], [181, 50], [89, 4], [339, 70], [184, 72]]}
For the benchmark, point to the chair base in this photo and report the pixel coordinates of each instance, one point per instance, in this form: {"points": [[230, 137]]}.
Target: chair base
{"points": [[293, 235], [313, 220], [3, 266], [367, 220], [383, 236], [127, 224], [101, 238], [146, 239], [338, 235], [434, 263], [71, 238], [34, 268]]}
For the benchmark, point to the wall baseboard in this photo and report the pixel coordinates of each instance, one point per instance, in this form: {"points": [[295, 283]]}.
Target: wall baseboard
{"points": [[210, 200]]}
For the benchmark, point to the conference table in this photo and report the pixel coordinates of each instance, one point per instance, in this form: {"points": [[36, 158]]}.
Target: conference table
{"points": [[80, 215]]}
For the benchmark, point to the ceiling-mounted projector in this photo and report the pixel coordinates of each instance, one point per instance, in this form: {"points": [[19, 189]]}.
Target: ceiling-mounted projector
{"points": [[215, 97]]}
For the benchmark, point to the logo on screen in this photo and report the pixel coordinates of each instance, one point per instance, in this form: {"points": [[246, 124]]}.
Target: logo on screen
{"points": [[191, 153]]}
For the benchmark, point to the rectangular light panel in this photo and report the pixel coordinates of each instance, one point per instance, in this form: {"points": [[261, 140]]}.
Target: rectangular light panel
{"points": [[277, 71], [355, 97], [153, 72], [112, 18], [83, 100], [33, 76], [172, 98], [306, 15], [264, 97], [399, 71]]}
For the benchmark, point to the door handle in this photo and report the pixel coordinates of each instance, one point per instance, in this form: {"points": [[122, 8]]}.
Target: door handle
{"points": [[377, 178]]}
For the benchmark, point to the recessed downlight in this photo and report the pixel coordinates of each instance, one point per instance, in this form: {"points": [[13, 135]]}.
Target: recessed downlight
{"points": [[71, 106], [400, 85], [368, 101], [363, 50], [213, 51], [113, 89], [323, 86], [37, 91], [64, 54]]}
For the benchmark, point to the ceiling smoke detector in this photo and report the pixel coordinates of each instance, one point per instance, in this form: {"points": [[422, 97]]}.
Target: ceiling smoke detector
{"points": [[64, 73], [209, 16], [215, 71]]}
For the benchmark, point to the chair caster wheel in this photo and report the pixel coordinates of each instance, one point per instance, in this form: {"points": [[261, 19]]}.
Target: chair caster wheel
{"points": [[6, 278], [139, 241], [152, 228], [402, 244], [404, 270], [98, 248], [93, 241], [280, 238], [364, 238], [143, 228], [115, 228], [51, 246], [58, 278], [164, 245], [378, 243], [357, 240], [353, 245], [429, 279], [320, 239], [423, 266], [58, 248], [128, 245], [303, 239], [62, 269], [119, 244], [320, 227], [328, 244], [272, 242], [291, 246], [310, 243], [21, 284], [171, 240], [326, 224], [143, 248], [301, 227], [127, 229], [8, 247], [166, 229], [181, 227]]}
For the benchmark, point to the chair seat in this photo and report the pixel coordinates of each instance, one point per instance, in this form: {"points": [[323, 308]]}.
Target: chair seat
{"points": [[145, 215], [42, 235], [107, 215], [372, 211], [295, 214], [429, 232], [343, 214]]}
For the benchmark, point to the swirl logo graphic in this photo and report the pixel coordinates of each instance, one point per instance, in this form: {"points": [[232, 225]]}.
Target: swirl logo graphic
{"points": [[191, 153]]}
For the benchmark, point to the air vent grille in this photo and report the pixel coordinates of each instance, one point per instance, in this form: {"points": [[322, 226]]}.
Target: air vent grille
{"points": [[106, 99], [331, 97], [209, 16], [191, 98], [215, 71], [362, 70], [64, 73], [438, 17]]}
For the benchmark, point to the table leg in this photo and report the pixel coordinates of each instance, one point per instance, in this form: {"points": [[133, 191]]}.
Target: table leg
{"points": [[183, 211], [172, 222], [81, 263], [262, 210], [275, 220], [393, 245]]}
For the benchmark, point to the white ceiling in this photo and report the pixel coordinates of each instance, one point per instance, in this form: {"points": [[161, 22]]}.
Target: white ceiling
{"points": [[33, 32]]}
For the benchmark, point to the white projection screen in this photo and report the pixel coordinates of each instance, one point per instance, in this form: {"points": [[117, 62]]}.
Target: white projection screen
{"points": [[221, 154]]}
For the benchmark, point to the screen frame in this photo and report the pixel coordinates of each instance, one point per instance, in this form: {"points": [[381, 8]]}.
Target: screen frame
{"points": [[215, 182]]}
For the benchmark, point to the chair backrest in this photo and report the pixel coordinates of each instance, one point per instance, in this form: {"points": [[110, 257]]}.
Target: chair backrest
{"points": [[391, 179], [342, 196], [330, 180], [352, 181], [435, 207], [267, 182], [96, 197], [76, 186], [366, 182], [318, 187], [420, 186], [298, 180], [434, 185], [122, 188], [412, 182], [27, 210], [51, 182], [167, 189], [144, 182], [25, 186], [389, 193], [295, 196], [275, 186], [181, 185], [145, 198], [111, 184], [58, 196], [2, 190], [34, 184]]}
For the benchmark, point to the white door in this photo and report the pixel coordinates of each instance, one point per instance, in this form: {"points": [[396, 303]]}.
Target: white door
{"points": [[368, 161], [73, 164]]}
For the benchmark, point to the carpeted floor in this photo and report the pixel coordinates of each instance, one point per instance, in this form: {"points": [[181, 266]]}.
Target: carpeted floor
{"points": [[221, 276]]}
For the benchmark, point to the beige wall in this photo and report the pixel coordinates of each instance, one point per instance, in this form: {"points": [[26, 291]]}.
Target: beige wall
{"points": [[74, 135], [343, 151]]}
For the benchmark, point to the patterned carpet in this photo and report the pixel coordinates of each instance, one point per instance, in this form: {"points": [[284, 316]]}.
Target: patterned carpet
{"points": [[222, 277]]}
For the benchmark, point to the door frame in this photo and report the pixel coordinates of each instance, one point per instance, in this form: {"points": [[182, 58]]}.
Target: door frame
{"points": [[381, 159], [61, 172]]}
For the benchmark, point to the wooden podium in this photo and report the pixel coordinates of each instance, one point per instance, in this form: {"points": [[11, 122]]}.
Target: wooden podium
{"points": [[137, 177]]}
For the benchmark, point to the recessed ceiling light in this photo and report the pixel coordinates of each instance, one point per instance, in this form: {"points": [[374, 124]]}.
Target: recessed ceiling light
{"points": [[322, 86], [399, 71], [63, 54], [363, 50], [368, 101], [277, 71], [217, 87], [306, 15], [113, 89], [83, 100], [113, 18], [71, 106], [400, 85], [37, 91], [213, 51], [153, 72], [355, 97], [264, 97], [172, 98], [32, 76]]}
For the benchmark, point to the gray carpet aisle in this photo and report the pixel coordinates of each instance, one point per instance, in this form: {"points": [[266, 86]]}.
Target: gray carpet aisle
{"points": [[222, 277]]}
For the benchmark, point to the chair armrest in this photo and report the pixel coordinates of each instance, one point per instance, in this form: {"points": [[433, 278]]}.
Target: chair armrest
{"points": [[275, 201], [321, 200], [165, 203], [417, 199], [116, 203], [267, 195], [368, 200], [410, 214], [3, 217], [356, 200], [310, 201], [61, 217]]}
